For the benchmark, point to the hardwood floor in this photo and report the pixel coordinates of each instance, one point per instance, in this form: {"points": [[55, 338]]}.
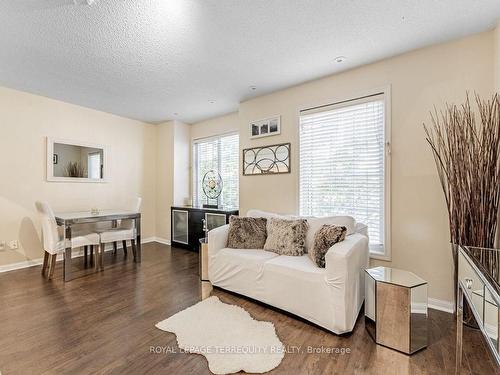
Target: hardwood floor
{"points": [[104, 324]]}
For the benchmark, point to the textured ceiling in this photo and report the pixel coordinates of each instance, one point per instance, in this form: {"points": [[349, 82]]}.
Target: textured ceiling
{"points": [[150, 59]]}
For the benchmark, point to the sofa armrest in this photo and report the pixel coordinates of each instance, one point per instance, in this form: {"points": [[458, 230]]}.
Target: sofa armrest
{"points": [[346, 262], [347, 257], [217, 239]]}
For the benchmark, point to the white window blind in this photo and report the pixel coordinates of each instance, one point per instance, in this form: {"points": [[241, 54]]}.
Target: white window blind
{"points": [[221, 154], [342, 163]]}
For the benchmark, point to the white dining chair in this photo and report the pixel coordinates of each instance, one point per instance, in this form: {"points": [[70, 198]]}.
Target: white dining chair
{"points": [[54, 242], [125, 231]]}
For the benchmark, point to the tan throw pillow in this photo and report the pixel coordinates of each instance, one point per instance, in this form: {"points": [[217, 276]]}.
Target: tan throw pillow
{"points": [[246, 232], [286, 237], [325, 237]]}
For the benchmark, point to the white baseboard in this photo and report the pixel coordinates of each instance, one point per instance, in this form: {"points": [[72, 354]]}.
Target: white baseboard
{"points": [[432, 303], [161, 240], [75, 254], [20, 265], [441, 305], [148, 239]]}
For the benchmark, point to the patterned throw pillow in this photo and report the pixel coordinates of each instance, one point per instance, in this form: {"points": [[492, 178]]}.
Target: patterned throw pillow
{"points": [[246, 232], [325, 237], [286, 237]]}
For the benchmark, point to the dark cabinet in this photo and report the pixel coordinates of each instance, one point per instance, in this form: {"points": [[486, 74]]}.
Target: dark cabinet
{"points": [[187, 224]]}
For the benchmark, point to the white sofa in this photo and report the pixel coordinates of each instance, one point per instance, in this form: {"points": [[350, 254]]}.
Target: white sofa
{"points": [[330, 297]]}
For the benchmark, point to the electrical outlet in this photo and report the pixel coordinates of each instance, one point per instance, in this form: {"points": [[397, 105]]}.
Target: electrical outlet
{"points": [[2, 245], [13, 245]]}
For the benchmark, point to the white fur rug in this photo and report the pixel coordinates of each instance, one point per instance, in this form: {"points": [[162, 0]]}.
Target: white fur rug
{"points": [[227, 336]]}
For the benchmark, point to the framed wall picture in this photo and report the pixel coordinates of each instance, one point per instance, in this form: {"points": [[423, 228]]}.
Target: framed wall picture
{"points": [[265, 127], [272, 159]]}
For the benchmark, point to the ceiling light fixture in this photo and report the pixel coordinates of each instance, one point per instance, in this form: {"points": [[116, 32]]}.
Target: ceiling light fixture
{"points": [[340, 59]]}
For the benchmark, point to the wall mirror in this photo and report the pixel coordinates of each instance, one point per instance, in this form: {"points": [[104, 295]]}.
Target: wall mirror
{"points": [[74, 161]]}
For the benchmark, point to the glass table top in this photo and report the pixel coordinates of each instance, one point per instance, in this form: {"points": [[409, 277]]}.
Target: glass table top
{"points": [[395, 276], [86, 214], [81, 217]]}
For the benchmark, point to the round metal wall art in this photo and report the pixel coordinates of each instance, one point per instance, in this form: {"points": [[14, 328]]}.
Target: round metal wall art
{"points": [[273, 159]]}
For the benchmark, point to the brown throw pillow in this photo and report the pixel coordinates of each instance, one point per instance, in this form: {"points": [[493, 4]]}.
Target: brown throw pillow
{"points": [[246, 232], [286, 237], [325, 237]]}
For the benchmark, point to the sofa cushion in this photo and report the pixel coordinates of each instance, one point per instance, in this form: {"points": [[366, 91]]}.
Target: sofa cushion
{"points": [[300, 267], [239, 268], [315, 224], [286, 237], [246, 232], [325, 237], [246, 257]]}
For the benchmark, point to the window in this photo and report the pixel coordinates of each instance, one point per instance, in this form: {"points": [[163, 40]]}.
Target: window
{"points": [[221, 154], [94, 165], [343, 165]]}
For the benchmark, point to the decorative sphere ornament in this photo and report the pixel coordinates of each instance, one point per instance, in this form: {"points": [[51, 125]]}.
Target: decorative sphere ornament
{"points": [[212, 184]]}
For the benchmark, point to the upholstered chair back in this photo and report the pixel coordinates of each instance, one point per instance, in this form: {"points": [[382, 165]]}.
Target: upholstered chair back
{"points": [[135, 207], [50, 233]]}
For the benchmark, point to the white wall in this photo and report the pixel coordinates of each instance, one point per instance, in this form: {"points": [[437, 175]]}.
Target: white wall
{"points": [[419, 80], [165, 173], [173, 152], [215, 126], [182, 152], [25, 122]]}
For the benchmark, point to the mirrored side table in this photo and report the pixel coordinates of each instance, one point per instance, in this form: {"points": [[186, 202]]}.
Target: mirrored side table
{"points": [[396, 309]]}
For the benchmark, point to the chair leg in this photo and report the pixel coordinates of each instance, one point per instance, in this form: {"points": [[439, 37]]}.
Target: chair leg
{"points": [[85, 254], [45, 262], [52, 265], [95, 256], [124, 247], [115, 247], [92, 257], [101, 255], [134, 248]]}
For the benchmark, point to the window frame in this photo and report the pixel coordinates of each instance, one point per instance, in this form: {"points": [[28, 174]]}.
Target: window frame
{"points": [[193, 163], [343, 101]]}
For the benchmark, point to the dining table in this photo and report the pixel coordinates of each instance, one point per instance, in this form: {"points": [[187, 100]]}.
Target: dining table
{"points": [[68, 220]]}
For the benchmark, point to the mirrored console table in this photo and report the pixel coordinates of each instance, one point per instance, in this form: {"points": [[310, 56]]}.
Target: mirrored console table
{"points": [[479, 288], [188, 224]]}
